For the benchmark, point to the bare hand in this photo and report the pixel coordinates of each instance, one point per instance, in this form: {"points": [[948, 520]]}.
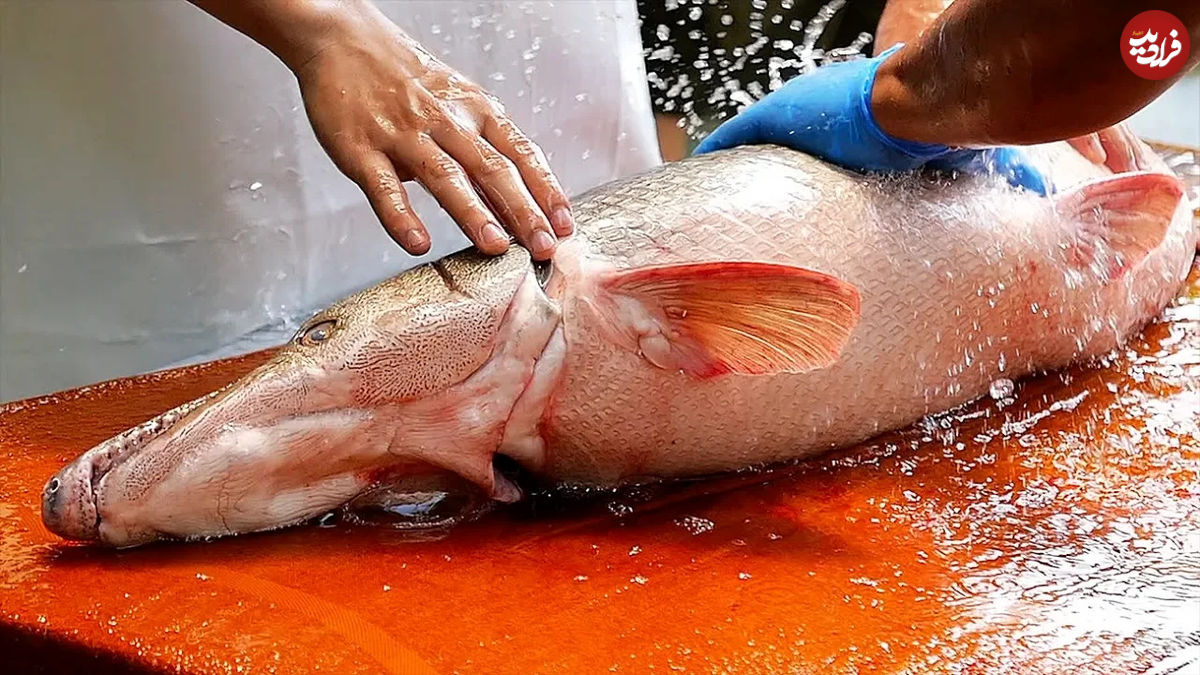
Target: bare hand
{"points": [[387, 111], [1115, 147]]}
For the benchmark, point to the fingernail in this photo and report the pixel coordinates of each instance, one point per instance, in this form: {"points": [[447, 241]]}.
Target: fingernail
{"points": [[493, 236], [416, 240], [542, 241], [562, 221]]}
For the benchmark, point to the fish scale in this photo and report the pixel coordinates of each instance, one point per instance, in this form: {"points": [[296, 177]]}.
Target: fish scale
{"points": [[922, 250]]}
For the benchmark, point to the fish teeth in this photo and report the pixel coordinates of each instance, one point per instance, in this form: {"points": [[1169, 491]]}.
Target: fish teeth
{"points": [[134, 437]]}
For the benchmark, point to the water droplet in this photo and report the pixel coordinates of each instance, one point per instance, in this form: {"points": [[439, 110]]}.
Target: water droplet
{"points": [[255, 186], [743, 575], [1001, 388], [619, 509], [695, 525]]}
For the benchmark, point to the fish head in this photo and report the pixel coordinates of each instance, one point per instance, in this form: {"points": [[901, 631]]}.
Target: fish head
{"points": [[404, 386]]}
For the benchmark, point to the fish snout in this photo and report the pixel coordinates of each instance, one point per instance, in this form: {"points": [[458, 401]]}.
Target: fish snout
{"points": [[69, 504]]}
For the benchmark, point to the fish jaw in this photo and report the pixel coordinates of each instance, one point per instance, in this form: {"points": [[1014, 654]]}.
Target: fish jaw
{"points": [[310, 430], [249, 476], [69, 498], [69, 502], [220, 465]]}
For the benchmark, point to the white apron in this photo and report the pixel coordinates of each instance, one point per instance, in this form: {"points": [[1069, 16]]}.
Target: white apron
{"points": [[162, 197]]}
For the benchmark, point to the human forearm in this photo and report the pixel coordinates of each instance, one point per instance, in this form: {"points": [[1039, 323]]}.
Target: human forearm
{"points": [[989, 72], [293, 30], [903, 21]]}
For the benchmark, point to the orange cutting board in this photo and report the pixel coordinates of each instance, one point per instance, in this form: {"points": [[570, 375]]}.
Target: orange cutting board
{"points": [[1059, 532]]}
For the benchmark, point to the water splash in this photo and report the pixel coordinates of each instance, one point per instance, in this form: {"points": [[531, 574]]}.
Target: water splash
{"points": [[715, 59]]}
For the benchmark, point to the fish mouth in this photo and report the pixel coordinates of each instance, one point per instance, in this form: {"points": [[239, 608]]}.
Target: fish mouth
{"points": [[69, 503], [79, 503], [70, 500]]}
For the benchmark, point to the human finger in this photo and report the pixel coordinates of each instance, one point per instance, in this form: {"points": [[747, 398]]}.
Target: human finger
{"points": [[531, 163], [374, 173], [501, 184], [1090, 147], [445, 179], [1118, 147]]}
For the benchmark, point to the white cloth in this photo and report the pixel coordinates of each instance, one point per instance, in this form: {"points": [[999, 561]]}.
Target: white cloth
{"points": [[162, 195]]}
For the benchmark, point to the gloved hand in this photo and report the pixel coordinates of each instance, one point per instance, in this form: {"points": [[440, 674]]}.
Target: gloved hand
{"points": [[827, 113]]}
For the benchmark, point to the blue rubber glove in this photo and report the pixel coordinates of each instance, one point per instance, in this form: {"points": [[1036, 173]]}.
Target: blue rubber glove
{"points": [[827, 113]]}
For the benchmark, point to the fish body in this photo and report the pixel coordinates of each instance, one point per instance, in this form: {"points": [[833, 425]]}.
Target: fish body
{"points": [[962, 282], [730, 310]]}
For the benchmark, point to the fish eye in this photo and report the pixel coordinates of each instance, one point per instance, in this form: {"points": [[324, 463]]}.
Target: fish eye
{"points": [[317, 333]]}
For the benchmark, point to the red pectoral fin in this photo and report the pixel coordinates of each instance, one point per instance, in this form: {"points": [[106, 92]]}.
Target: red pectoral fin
{"points": [[1122, 218], [707, 319]]}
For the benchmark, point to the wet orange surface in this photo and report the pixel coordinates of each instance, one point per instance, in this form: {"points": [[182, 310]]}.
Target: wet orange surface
{"points": [[1057, 532]]}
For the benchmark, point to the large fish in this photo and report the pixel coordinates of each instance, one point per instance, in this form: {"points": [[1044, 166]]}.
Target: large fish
{"points": [[730, 310]]}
